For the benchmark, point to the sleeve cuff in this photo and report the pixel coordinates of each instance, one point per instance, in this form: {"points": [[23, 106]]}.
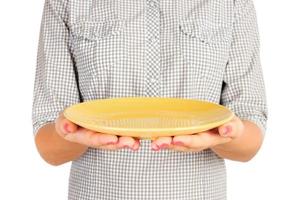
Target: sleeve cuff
{"points": [[38, 124], [258, 120]]}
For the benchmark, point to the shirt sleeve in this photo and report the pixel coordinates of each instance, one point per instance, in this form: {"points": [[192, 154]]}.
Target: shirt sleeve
{"points": [[243, 86], [55, 85]]}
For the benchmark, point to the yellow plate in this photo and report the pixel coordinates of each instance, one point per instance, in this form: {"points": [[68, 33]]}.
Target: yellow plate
{"points": [[148, 117]]}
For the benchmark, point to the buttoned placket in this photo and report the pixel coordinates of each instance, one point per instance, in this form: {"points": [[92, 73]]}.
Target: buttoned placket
{"points": [[152, 53]]}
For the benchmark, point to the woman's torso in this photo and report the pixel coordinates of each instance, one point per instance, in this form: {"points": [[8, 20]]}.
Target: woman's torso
{"points": [[170, 48]]}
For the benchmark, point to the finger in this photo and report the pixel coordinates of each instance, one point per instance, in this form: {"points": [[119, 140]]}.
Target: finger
{"points": [[101, 139], [91, 138], [136, 145], [231, 129], [81, 136], [68, 126], [64, 126], [161, 143], [178, 148], [112, 147], [209, 139], [201, 140], [116, 147], [227, 130], [127, 142], [190, 141], [183, 148]]}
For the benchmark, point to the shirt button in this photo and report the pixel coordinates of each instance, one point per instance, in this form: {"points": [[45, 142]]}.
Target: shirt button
{"points": [[152, 39], [152, 3], [153, 80]]}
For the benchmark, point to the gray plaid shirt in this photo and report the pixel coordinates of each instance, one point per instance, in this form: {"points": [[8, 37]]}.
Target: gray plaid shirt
{"points": [[198, 49]]}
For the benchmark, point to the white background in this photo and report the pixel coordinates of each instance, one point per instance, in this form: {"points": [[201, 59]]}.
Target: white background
{"points": [[272, 174]]}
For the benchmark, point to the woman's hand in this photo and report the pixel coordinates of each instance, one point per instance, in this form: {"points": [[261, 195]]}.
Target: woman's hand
{"points": [[73, 133], [200, 141]]}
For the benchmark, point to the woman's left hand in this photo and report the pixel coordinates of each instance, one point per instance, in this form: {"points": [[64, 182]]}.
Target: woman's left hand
{"points": [[201, 141]]}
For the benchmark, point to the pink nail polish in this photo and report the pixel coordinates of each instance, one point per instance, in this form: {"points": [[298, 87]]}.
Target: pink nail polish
{"points": [[228, 129], [135, 146], [155, 147], [137, 143], [67, 128]]}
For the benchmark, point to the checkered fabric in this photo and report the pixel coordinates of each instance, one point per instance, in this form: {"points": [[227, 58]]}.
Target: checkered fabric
{"points": [[196, 49]]}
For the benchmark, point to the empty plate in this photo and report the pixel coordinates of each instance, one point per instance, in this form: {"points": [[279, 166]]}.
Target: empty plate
{"points": [[148, 117]]}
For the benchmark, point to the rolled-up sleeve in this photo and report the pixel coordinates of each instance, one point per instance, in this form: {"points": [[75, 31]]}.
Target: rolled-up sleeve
{"points": [[243, 87], [55, 85]]}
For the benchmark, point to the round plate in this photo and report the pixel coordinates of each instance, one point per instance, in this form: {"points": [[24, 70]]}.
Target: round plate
{"points": [[148, 117]]}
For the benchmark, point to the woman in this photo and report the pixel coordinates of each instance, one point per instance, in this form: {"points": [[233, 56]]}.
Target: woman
{"points": [[206, 50]]}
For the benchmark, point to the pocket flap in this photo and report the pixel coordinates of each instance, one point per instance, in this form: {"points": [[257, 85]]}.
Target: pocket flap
{"points": [[207, 32], [96, 30]]}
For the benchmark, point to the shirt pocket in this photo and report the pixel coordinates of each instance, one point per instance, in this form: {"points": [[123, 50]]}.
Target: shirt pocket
{"points": [[205, 46], [96, 48], [94, 30]]}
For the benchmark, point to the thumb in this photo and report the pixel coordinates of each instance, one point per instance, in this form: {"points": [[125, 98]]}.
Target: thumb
{"points": [[69, 126], [226, 130], [65, 126]]}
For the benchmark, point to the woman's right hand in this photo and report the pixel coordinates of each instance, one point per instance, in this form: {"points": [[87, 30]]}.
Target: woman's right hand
{"points": [[74, 133]]}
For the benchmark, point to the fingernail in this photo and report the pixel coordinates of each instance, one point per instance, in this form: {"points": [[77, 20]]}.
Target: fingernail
{"points": [[163, 146], [155, 147], [67, 128], [227, 130], [135, 146], [178, 143]]}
